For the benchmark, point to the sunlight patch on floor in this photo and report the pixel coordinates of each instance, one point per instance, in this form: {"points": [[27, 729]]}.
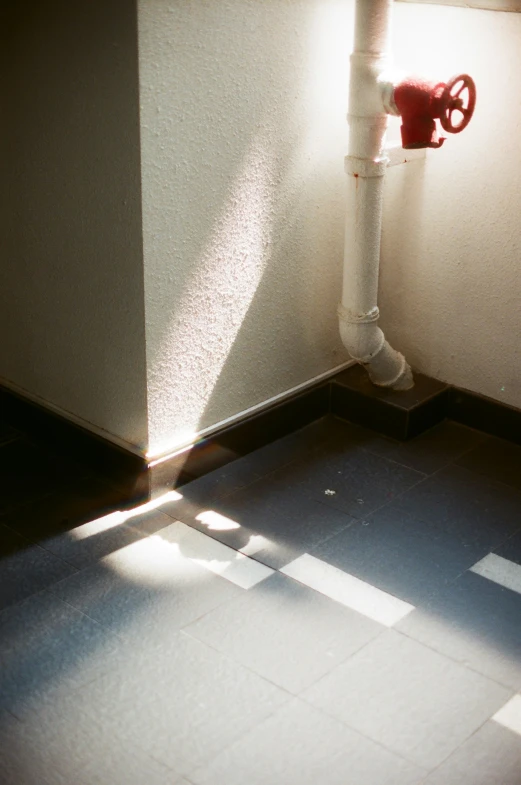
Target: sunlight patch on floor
{"points": [[113, 519]]}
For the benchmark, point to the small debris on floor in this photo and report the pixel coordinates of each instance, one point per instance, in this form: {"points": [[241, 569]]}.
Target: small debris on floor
{"points": [[329, 492]]}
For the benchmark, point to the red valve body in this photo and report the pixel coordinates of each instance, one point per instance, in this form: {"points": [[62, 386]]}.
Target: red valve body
{"points": [[418, 102]]}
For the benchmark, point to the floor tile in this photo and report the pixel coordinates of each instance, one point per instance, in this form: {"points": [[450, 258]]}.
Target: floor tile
{"points": [[259, 463], [232, 565], [122, 763], [285, 632], [59, 744], [182, 707], [497, 459], [48, 647], [148, 588], [24, 762], [151, 522], [300, 745], [351, 480], [492, 755], [89, 542], [509, 716], [478, 511], [275, 522], [511, 549], [408, 698], [326, 433], [25, 568], [348, 590], [475, 622], [429, 452], [502, 571], [398, 553], [221, 482], [176, 654], [77, 501]]}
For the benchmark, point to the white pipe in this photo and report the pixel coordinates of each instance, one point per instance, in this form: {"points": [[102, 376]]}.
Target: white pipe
{"points": [[365, 167]]}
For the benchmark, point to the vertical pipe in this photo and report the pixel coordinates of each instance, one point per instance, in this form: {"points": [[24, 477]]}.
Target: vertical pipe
{"points": [[365, 167]]}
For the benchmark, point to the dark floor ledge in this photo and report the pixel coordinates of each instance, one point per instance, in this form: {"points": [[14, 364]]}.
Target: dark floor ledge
{"points": [[348, 395]]}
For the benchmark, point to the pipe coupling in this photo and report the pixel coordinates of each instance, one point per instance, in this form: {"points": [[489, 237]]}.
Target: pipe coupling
{"points": [[351, 317]]}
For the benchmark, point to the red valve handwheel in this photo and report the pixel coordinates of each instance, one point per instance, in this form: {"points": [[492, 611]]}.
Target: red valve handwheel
{"points": [[451, 101]]}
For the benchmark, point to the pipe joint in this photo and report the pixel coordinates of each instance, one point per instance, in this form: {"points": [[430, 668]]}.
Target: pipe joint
{"points": [[365, 167], [366, 344], [365, 94], [360, 334], [358, 318], [369, 99]]}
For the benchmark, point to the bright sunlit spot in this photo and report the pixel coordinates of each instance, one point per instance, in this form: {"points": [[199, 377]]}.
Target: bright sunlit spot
{"points": [[330, 49], [424, 41], [216, 299], [217, 522], [161, 559], [118, 517], [257, 543]]}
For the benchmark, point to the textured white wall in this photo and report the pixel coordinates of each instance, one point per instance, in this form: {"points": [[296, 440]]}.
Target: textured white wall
{"points": [[243, 136], [450, 285], [491, 5], [71, 277]]}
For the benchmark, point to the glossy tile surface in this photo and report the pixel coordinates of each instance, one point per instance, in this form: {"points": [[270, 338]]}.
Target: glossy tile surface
{"points": [[333, 608], [409, 698]]}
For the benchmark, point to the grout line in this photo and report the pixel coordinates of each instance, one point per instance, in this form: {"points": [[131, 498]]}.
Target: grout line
{"points": [[348, 590], [465, 741], [453, 659], [498, 570], [359, 732], [227, 656], [397, 463]]}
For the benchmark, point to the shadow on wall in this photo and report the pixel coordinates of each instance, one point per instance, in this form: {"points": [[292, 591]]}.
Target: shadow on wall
{"points": [[72, 313], [238, 303]]}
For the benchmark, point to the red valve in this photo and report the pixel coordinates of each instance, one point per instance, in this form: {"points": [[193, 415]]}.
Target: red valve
{"points": [[454, 99], [421, 103]]}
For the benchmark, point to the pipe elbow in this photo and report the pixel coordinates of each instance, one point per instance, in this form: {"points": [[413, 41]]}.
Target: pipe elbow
{"points": [[362, 340], [366, 344]]}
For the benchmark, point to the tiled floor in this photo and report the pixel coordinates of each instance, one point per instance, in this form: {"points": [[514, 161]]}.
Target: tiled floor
{"points": [[334, 609]]}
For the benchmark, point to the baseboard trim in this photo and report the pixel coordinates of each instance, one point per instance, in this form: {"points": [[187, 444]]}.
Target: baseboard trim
{"points": [[485, 414], [230, 422], [58, 411], [347, 395]]}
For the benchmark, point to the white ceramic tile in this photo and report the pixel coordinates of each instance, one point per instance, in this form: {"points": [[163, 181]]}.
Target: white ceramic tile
{"points": [[510, 715], [298, 745], [408, 698], [492, 756], [212, 555], [348, 590], [285, 632], [495, 568], [181, 705]]}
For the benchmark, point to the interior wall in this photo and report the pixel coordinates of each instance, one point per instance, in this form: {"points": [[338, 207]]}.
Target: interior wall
{"points": [[491, 5], [450, 284], [71, 280], [243, 134]]}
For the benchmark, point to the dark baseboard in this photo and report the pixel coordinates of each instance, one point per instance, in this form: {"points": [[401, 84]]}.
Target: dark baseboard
{"points": [[132, 474], [121, 467], [348, 395], [399, 415], [485, 414]]}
